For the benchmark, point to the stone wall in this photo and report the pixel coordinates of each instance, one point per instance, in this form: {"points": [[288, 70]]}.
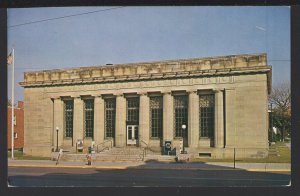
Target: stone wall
{"points": [[38, 122], [242, 82]]}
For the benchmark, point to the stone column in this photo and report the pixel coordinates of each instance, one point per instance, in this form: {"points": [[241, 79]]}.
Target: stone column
{"points": [[98, 119], [219, 124], [58, 122], [193, 119], [120, 139], [230, 134], [144, 121], [168, 116], [78, 119]]}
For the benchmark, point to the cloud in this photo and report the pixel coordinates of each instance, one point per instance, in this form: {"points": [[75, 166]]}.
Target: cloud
{"points": [[260, 28]]}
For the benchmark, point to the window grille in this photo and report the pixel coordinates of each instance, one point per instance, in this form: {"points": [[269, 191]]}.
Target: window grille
{"points": [[89, 118], [133, 109], [69, 106], [156, 116], [110, 117], [181, 115], [207, 106]]}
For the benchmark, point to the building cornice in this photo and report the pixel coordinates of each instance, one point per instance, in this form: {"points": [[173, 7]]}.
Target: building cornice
{"points": [[140, 77]]}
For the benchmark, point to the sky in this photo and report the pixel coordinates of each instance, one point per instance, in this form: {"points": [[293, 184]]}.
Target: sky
{"points": [[143, 34]]}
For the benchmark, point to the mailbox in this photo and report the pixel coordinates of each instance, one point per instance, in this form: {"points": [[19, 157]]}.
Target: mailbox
{"points": [[79, 145], [168, 147]]}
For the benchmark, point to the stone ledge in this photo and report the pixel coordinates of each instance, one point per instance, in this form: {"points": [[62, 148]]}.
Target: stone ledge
{"points": [[168, 68], [148, 77]]}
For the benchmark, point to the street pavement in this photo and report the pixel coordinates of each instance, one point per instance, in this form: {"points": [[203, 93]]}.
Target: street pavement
{"points": [[130, 177], [263, 167], [37, 173]]}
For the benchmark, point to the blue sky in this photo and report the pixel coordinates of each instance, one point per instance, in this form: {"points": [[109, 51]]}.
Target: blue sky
{"points": [[139, 34]]}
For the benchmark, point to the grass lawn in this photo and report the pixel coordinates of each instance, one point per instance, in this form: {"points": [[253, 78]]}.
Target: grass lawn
{"points": [[278, 153], [20, 156]]}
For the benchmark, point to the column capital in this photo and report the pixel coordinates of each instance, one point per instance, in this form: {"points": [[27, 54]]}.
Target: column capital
{"points": [[143, 93], [217, 90], [76, 96], [56, 97], [119, 94], [191, 91], [166, 92], [230, 88], [97, 95]]}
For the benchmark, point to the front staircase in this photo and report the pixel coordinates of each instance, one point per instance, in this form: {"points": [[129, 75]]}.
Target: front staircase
{"points": [[115, 154]]}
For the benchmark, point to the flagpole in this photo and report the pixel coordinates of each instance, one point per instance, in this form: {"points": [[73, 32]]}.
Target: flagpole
{"points": [[12, 103]]}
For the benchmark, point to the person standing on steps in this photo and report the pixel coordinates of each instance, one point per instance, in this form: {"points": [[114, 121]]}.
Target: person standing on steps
{"points": [[89, 159]]}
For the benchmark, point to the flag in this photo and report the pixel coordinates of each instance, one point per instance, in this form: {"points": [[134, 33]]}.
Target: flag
{"points": [[9, 59]]}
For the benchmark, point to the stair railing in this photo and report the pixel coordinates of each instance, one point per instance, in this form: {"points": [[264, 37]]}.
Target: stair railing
{"points": [[101, 144], [144, 154]]}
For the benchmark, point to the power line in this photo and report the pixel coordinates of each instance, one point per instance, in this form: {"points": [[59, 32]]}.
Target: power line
{"points": [[67, 16]]}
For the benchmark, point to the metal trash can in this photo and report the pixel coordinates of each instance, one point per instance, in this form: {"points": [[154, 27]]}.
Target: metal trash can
{"points": [[90, 150], [168, 147]]}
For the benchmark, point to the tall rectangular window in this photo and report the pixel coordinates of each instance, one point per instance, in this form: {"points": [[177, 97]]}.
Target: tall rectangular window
{"points": [[156, 116], [110, 117], [133, 110], [206, 110], [181, 115], [89, 118], [69, 107]]}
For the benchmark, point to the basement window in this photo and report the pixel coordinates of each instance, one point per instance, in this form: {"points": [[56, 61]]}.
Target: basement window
{"points": [[204, 154]]}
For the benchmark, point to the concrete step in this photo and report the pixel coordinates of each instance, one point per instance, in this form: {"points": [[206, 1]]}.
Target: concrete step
{"points": [[160, 158], [110, 157], [101, 158], [118, 154]]}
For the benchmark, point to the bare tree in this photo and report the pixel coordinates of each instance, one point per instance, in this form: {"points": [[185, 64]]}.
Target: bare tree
{"points": [[280, 98], [9, 103]]}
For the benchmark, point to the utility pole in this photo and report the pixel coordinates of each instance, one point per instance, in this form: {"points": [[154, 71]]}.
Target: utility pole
{"points": [[12, 103]]}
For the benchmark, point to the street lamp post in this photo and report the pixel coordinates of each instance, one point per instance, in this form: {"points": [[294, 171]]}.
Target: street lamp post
{"points": [[272, 122], [57, 129], [183, 133]]}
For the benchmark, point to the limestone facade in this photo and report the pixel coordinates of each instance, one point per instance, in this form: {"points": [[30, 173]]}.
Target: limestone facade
{"points": [[239, 85]]}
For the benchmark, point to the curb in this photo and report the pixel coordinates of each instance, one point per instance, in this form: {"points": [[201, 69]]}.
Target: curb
{"points": [[70, 166], [268, 170], [151, 168]]}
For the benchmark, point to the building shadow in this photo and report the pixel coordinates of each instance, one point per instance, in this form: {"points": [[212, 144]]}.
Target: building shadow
{"points": [[151, 173]]}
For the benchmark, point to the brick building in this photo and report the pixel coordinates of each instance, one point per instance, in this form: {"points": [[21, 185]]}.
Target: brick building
{"points": [[19, 126]]}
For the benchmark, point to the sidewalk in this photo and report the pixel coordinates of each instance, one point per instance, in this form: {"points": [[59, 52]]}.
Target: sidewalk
{"points": [[258, 167]]}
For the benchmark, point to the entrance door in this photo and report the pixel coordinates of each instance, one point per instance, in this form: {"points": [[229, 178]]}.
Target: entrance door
{"points": [[132, 134]]}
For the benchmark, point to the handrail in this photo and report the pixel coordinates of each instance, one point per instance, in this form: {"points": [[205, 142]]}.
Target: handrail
{"points": [[103, 149], [104, 143], [144, 149], [144, 142]]}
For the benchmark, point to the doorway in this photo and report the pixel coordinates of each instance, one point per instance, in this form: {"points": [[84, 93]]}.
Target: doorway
{"points": [[132, 134]]}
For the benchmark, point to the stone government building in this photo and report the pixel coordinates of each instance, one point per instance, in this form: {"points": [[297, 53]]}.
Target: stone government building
{"points": [[222, 101]]}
